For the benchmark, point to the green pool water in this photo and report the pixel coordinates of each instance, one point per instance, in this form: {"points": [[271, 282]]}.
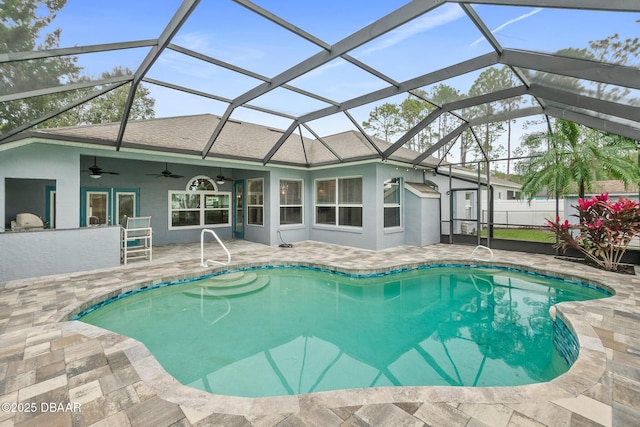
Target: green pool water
{"points": [[285, 331]]}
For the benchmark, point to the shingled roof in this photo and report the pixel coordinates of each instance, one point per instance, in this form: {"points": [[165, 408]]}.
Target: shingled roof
{"points": [[238, 140]]}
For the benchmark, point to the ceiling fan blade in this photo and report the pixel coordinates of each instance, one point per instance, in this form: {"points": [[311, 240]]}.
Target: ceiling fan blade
{"points": [[97, 170], [166, 173]]}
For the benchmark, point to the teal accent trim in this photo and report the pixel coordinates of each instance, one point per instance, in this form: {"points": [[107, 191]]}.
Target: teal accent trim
{"points": [[236, 183], [114, 196], [112, 199], [47, 201]]}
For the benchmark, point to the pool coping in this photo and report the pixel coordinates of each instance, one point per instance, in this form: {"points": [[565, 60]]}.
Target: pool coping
{"points": [[584, 374]]}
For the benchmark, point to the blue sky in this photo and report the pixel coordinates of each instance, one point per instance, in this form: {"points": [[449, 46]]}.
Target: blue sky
{"points": [[231, 33]]}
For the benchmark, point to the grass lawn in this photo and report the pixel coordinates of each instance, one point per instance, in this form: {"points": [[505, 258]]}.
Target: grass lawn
{"points": [[526, 234]]}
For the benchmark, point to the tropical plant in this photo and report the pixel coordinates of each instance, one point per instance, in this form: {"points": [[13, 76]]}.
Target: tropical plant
{"points": [[604, 231], [578, 156]]}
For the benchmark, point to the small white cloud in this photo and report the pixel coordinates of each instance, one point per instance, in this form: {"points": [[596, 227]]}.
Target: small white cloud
{"points": [[441, 16], [209, 44], [506, 24]]}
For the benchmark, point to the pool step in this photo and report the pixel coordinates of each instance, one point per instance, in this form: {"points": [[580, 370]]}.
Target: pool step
{"points": [[230, 280], [242, 285]]}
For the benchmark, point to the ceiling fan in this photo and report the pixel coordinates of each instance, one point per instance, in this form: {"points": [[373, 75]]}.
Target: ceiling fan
{"points": [[220, 179], [166, 173], [97, 172]]}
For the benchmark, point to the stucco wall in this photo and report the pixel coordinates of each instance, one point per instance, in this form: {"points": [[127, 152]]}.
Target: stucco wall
{"points": [[39, 161], [68, 165], [294, 232], [422, 223], [40, 253]]}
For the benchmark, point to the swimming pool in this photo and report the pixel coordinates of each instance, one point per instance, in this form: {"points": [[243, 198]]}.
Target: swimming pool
{"points": [[280, 331]]}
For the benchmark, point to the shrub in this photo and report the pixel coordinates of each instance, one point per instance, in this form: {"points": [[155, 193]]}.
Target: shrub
{"points": [[604, 230]]}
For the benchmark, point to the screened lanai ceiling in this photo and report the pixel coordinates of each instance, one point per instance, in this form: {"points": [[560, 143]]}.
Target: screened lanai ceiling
{"points": [[314, 70]]}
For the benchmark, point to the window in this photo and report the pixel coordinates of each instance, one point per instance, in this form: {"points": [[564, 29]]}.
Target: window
{"points": [[255, 201], [200, 205], [513, 195], [392, 194], [290, 202], [198, 209], [339, 201], [201, 183]]}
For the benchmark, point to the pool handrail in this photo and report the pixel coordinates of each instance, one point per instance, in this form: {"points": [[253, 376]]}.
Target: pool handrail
{"points": [[482, 259], [204, 263]]}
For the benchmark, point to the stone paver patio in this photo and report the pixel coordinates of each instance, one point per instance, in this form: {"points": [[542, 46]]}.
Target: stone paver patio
{"points": [[55, 372]]}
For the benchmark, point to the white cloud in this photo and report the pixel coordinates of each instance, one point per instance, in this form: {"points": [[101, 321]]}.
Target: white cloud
{"points": [[506, 24], [212, 45], [441, 16]]}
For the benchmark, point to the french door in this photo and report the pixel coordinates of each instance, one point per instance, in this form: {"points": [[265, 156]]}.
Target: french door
{"points": [[125, 205], [107, 206]]}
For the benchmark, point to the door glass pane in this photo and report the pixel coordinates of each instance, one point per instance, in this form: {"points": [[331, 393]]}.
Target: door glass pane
{"points": [[97, 209], [126, 204], [239, 220]]}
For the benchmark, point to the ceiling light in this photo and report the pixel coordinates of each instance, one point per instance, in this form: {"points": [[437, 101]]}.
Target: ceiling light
{"points": [[95, 175]]}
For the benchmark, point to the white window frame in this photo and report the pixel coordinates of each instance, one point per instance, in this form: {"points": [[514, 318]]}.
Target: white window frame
{"points": [[204, 178], [300, 205], [398, 205], [337, 203], [254, 205], [201, 208]]}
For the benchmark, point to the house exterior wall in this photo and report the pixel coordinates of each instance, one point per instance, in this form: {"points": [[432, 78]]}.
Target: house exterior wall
{"points": [[362, 237], [26, 195], [41, 161], [421, 228], [396, 236], [292, 232], [258, 233], [66, 166]]}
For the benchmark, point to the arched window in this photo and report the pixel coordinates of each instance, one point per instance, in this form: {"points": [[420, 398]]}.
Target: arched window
{"points": [[201, 183], [200, 205]]}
